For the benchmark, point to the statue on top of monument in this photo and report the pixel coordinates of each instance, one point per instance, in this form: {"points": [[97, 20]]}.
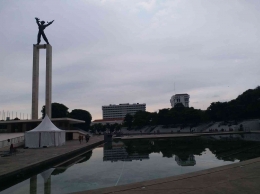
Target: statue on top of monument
{"points": [[42, 26]]}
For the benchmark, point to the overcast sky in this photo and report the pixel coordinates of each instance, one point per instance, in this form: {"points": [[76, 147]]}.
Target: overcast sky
{"points": [[130, 51]]}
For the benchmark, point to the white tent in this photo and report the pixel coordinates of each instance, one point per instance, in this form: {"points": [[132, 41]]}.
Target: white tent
{"points": [[46, 134]]}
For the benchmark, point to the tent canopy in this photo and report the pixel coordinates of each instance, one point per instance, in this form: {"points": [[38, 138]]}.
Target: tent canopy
{"points": [[45, 126]]}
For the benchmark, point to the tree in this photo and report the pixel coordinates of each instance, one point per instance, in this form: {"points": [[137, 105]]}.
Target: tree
{"points": [[92, 129], [245, 106], [112, 128], [81, 115], [164, 117], [57, 110], [179, 106], [96, 128], [128, 120], [118, 127], [142, 118]]}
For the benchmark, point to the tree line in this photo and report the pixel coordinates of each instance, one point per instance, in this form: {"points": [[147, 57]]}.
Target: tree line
{"points": [[245, 106], [102, 128], [61, 111]]}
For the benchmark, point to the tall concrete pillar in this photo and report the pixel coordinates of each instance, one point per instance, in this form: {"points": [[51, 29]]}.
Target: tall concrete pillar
{"points": [[48, 80], [35, 80]]}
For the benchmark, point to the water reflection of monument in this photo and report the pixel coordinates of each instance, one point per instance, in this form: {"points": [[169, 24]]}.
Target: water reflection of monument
{"points": [[190, 161], [46, 175], [117, 152]]}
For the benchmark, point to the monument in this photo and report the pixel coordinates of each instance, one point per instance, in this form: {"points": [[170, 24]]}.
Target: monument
{"points": [[12, 126], [42, 26], [35, 75]]}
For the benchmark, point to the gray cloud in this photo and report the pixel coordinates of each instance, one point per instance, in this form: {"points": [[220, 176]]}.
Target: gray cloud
{"points": [[131, 51]]}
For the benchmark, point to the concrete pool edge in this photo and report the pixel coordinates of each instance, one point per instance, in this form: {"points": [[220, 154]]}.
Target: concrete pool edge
{"points": [[214, 180], [180, 135]]}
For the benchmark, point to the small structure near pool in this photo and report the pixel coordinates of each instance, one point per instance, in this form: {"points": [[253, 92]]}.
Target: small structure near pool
{"points": [[46, 134]]}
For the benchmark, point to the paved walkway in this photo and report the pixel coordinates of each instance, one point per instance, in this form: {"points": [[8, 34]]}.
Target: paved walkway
{"points": [[239, 178], [28, 157]]}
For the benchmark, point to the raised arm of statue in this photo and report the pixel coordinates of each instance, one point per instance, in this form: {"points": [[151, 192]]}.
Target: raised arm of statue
{"points": [[49, 23], [37, 21]]}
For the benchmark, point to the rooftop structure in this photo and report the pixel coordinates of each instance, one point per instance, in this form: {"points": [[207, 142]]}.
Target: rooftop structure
{"points": [[108, 121], [180, 98], [13, 126], [119, 111]]}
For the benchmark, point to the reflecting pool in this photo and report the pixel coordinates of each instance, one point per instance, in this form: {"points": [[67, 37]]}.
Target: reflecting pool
{"points": [[129, 161]]}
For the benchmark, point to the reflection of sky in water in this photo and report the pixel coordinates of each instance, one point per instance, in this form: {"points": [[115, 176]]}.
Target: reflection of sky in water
{"points": [[96, 173]]}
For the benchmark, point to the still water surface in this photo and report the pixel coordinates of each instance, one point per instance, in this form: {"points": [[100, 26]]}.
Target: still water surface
{"points": [[124, 162]]}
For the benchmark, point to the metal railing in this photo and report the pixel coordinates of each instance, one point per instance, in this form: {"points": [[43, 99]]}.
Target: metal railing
{"points": [[14, 140]]}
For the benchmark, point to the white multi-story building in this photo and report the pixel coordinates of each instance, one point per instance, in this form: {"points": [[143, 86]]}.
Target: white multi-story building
{"points": [[119, 111], [180, 98]]}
